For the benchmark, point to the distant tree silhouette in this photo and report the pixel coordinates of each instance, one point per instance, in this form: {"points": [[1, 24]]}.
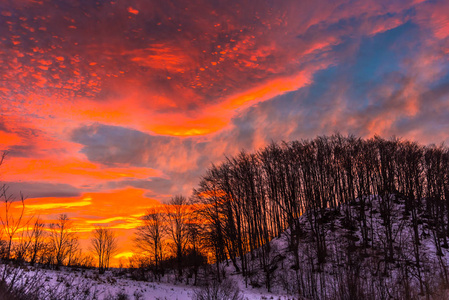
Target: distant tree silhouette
{"points": [[38, 239], [63, 239], [150, 237], [104, 243], [177, 228]]}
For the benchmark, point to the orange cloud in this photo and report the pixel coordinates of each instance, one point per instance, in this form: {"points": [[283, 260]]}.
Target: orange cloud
{"points": [[133, 11], [70, 170], [42, 207]]}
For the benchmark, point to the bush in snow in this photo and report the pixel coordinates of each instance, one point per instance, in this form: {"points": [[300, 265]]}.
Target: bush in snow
{"points": [[226, 290]]}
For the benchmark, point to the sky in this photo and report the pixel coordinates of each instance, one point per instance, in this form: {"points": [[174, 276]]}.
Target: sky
{"points": [[108, 108]]}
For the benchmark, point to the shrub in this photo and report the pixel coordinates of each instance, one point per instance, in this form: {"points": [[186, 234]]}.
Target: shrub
{"points": [[226, 290]]}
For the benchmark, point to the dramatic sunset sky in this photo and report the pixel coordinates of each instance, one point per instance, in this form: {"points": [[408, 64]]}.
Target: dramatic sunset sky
{"points": [[110, 107]]}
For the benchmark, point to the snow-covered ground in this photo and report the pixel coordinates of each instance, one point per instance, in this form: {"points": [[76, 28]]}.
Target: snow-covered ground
{"points": [[112, 283]]}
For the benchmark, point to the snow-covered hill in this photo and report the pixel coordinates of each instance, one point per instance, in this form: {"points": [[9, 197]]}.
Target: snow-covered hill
{"points": [[375, 249]]}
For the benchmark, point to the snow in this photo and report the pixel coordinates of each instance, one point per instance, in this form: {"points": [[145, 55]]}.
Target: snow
{"points": [[108, 285]]}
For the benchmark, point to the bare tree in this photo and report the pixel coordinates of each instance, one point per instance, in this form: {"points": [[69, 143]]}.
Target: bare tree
{"points": [[104, 244], [63, 238], [10, 223], [23, 244], [150, 237], [177, 228], [38, 236], [74, 251]]}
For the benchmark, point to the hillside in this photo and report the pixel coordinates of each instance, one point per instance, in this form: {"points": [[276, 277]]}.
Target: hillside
{"points": [[357, 218], [355, 267]]}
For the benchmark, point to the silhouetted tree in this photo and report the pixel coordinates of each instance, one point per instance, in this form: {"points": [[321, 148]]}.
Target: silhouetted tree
{"points": [[104, 244], [177, 212], [63, 239], [150, 236]]}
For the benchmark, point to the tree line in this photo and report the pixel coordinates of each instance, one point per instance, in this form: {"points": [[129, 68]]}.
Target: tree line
{"points": [[169, 239], [52, 244], [251, 198], [300, 189], [241, 204]]}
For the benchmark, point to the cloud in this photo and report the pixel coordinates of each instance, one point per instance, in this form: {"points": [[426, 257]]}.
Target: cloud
{"points": [[377, 89], [41, 190], [77, 172], [181, 160], [155, 185], [113, 145], [194, 62], [134, 100]]}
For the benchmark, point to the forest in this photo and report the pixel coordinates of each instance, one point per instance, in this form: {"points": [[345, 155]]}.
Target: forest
{"points": [[335, 217]]}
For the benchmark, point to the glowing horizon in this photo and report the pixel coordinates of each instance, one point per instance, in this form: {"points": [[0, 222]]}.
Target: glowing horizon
{"points": [[110, 107]]}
